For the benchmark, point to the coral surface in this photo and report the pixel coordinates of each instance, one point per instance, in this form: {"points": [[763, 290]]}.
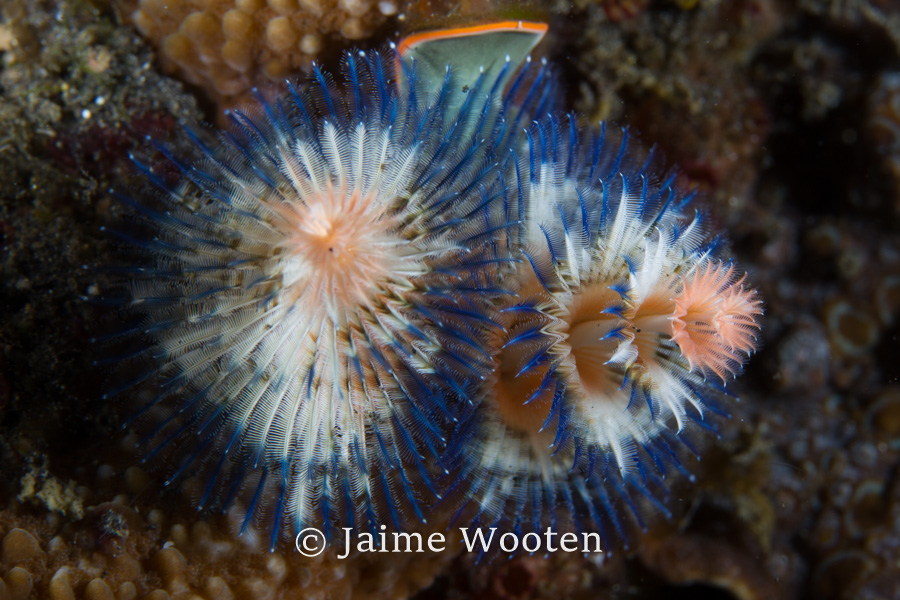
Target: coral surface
{"points": [[226, 47], [780, 110]]}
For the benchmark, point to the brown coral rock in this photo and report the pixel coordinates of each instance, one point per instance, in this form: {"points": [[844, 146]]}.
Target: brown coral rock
{"points": [[171, 555], [228, 46], [693, 558]]}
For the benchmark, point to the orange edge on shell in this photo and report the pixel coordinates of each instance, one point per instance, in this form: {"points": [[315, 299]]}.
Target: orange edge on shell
{"points": [[414, 40]]}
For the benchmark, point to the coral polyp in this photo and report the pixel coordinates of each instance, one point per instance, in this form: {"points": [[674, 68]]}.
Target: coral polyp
{"points": [[594, 386], [311, 293]]}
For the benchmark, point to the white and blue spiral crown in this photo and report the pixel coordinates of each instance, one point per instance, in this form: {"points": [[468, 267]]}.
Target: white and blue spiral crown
{"points": [[591, 398], [314, 292]]}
